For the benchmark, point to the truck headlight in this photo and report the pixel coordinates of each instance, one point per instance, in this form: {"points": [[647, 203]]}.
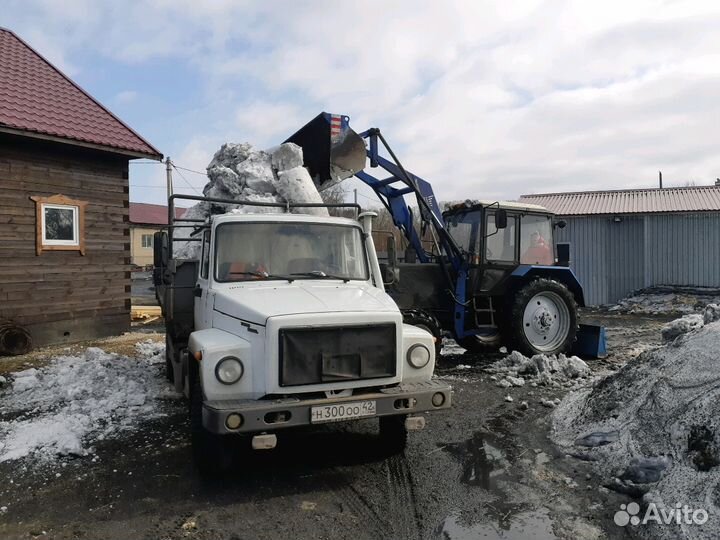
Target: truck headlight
{"points": [[418, 356], [229, 370]]}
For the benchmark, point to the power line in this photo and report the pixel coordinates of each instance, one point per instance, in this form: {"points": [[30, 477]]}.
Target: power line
{"points": [[186, 180], [189, 170]]}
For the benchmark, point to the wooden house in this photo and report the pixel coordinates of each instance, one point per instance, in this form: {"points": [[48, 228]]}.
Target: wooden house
{"points": [[64, 231]]}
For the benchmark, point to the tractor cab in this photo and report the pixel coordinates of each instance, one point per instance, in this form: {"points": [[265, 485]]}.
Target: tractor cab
{"points": [[503, 234]]}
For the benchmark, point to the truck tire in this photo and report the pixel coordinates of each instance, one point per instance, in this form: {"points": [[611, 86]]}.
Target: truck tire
{"points": [[481, 344], [393, 434], [427, 322], [210, 451], [543, 319], [169, 375]]}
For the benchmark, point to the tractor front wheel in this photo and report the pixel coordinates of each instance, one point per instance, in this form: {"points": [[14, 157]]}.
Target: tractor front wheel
{"points": [[481, 344], [543, 319]]}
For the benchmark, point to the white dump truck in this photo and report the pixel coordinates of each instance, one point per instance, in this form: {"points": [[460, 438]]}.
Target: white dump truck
{"points": [[282, 321]]}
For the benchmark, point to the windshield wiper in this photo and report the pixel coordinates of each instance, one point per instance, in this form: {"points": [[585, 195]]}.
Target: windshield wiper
{"points": [[263, 275], [319, 274]]}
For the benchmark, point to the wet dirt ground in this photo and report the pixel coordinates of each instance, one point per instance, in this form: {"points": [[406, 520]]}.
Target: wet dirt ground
{"points": [[486, 469]]}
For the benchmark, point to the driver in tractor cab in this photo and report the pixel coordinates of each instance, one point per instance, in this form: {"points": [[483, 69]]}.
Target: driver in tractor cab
{"points": [[539, 252]]}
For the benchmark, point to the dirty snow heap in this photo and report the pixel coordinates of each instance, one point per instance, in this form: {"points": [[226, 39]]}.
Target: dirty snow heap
{"points": [[652, 429], [237, 171], [67, 406]]}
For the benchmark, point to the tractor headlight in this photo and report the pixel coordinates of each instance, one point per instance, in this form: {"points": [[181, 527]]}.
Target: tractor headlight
{"points": [[229, 370], [418, 356]]}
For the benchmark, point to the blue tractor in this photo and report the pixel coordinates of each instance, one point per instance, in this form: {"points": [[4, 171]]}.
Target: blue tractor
{"points": [[488, 275]]}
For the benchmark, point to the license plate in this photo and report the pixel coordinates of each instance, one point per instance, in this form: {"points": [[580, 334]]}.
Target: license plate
{"points": [[342, 411]]}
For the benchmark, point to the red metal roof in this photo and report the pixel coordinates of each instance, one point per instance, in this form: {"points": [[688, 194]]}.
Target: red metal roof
{"points": [[35, 97], [151, 214], [630, 201]]}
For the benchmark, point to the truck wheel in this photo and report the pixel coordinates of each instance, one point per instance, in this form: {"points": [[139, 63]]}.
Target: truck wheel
{"points": [[210, 452], [543, 319], [428, 323], [481, 344], [393, 434], [169, 375]]}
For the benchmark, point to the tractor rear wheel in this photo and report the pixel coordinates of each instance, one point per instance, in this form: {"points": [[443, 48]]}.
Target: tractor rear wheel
{"points": [[543, 319]]}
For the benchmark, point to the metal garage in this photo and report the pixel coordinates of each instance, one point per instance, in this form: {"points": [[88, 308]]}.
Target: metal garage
{"points": [[621, 241]]}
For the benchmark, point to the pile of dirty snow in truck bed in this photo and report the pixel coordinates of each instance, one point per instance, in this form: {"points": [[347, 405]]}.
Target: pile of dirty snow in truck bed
{"points": [[652, 429], [238, 171], [663, 300], [75, 401]]}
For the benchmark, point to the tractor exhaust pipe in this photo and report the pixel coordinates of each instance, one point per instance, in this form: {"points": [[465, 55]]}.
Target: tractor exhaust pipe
{"points": [[332, 151]]}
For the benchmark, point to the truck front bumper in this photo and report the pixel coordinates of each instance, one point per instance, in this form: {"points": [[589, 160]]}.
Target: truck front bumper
{"points": [[270, 415]]}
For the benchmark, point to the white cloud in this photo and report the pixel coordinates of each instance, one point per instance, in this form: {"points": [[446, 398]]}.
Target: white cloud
{"points": [[483, 99], [126, 96]]}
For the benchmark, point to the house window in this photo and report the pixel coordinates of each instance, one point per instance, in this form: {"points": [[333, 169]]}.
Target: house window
{"points": [[147, 240], [60, 224]]}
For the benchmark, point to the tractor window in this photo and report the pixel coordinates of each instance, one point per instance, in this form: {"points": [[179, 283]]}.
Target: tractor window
{"points": [[463, 227], [500, 243], [536, 242]]}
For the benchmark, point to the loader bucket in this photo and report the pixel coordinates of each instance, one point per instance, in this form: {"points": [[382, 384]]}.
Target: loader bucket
{"points": [[332, 151], [591, 342]]}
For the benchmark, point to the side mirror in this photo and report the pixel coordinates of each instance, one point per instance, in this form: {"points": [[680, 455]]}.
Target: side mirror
{"points": [[391, 251], [160, 256], [560, 224], [500, 219], [392, 272]]}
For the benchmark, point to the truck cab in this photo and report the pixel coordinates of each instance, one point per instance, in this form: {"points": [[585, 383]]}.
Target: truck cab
{"points": [[290, 325]]}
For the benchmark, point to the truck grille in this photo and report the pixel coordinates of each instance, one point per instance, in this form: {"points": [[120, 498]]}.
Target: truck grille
{"points": [[340, 353]]}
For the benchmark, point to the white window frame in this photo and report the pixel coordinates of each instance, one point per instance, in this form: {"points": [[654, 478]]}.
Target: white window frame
{"points": [[76, 225], [61, 202], [142, 240]]}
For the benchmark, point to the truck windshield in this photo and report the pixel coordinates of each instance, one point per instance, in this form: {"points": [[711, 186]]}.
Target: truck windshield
{"points": [[251, 251]]}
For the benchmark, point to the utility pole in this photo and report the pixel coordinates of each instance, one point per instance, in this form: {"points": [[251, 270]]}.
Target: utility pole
{"points": [[168, 173], [660, 178]]}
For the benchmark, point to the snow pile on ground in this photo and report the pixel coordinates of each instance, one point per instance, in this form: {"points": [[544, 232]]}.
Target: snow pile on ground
{"points": [[653, 429], [237, 171], [74, 401], [687, 323], [668, 300], [450, 348], [516, 369]]}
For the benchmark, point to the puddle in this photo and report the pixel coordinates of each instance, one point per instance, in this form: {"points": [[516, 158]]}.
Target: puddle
{"points": [[483, 461], [534, 524], [485, 464]]}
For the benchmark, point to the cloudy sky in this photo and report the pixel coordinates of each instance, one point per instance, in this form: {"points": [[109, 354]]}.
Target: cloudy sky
{"points": [[483, 99]]}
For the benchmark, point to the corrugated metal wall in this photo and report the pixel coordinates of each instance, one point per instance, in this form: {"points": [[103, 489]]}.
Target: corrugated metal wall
{"points": [[612, 259]]}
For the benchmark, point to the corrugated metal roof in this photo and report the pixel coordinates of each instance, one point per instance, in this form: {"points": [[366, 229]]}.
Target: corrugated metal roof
{"points": [[151, 214], [630, 201], [35, 97]]}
